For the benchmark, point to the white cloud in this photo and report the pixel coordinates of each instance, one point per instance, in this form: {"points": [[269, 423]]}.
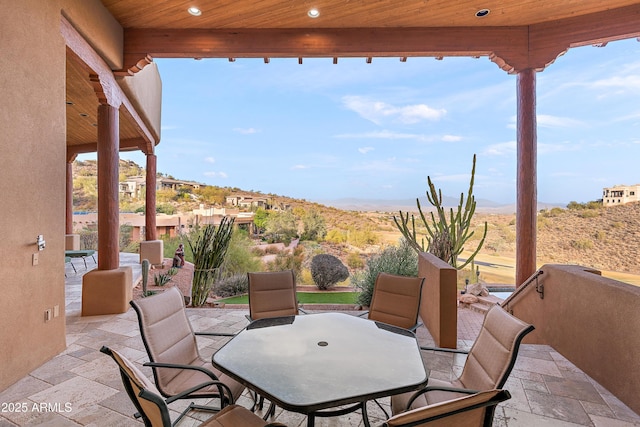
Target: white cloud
{"points": [[383, 134], [213, 174], [297, 167], [378, 111], [500, 149], [247, 131], [451, 138], [545, 120], [365, 150], [629, 82], [462, 177], [209, 159]]}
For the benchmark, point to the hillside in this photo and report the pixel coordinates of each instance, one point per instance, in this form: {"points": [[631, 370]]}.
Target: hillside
{"points": [[603, 238]]}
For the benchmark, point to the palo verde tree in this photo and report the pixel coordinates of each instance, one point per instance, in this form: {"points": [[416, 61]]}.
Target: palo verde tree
{"points": [[447, 232]]}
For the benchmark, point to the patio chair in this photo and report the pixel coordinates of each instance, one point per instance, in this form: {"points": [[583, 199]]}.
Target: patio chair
{"points": [[154, 410], [396, 301], [475, 409], [488, 364], [178, 368], [272, 294]]}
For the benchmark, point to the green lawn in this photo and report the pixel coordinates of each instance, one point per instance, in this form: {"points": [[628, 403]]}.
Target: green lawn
{"points": [[307, 298]]}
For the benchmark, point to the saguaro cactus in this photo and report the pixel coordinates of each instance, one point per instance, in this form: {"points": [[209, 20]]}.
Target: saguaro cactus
{"points": [[145, 276], [446, 234]]}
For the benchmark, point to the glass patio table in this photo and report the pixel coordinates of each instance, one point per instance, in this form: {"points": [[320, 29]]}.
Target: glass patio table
{"points": [[310, 363]]}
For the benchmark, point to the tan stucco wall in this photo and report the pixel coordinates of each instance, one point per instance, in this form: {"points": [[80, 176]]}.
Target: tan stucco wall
{"points": [[94, 22], [33, 174], [144, 90], [591, 320], [439, 301]]}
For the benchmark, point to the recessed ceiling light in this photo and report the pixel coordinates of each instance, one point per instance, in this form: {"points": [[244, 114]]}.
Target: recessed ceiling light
{"points": [[313, 13], [482, 13], [194, 11]]}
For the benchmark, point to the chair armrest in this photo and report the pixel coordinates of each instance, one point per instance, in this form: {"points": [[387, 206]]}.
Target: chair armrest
{"points": [[446, 350], [416, 326], [363, 313], [432, 388], [178, 366], [217, 334], [222, 387]]}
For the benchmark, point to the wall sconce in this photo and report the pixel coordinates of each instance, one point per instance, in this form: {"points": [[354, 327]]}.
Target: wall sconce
{"points": [[40, 242]]}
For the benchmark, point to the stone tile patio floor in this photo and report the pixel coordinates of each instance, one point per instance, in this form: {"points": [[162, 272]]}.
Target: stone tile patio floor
{"points": [[81, 386]]}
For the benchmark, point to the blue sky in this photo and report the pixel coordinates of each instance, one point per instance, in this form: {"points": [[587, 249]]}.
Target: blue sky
{"points": [[322, 131]]}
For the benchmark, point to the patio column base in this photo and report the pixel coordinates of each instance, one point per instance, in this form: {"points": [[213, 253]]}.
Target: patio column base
{"points": [[107, 291], [72, 242], [152, 250]]}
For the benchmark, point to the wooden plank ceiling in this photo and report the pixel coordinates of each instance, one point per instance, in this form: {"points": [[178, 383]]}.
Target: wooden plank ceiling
{"points": [[515, 34], [82, 111], [261, 14]]}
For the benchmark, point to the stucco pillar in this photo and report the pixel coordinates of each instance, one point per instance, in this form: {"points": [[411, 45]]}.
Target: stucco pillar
{"points": [[69, 199], [108, 170], [526, 187], [150, 198]]}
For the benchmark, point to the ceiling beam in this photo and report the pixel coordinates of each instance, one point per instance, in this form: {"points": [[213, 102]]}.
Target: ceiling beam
{"points": [[511, 42], [511, 48], [130, 144]]}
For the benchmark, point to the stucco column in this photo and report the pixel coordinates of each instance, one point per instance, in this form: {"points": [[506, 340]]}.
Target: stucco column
{"points": [[108, 170], [526, 187], [68, 228], [150, 198]]}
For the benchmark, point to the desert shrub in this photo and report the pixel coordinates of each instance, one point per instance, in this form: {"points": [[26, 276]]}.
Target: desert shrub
{"points": [[240, 258], [236, 284], [172, 271], [401, 260], [589, 213], [617, 224], [582, 244], [327, 270], [89, 237], [354, 260], [287, 261], [336, 236], [362, 237], [305, 278], [600, 235], [161, 279], [314, 225]]}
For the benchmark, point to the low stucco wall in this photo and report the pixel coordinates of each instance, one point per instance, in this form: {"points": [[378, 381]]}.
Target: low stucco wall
{"points": [[439, 300], [591, 320]]}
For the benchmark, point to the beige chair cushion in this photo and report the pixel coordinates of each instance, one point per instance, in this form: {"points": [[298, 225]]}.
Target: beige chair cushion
{"points": [[169, 338], [234, 416], [139, 381], [494, 352], [471, 418], [488, 364], [396, 300], [272, 294]]}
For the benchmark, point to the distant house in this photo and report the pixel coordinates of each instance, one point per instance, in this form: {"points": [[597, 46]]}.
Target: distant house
{"points": [[134, 186], [247, 201], [620, 194]]}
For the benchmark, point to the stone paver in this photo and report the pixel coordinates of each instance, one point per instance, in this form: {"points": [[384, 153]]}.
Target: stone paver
{"points": [[81, 386]]}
